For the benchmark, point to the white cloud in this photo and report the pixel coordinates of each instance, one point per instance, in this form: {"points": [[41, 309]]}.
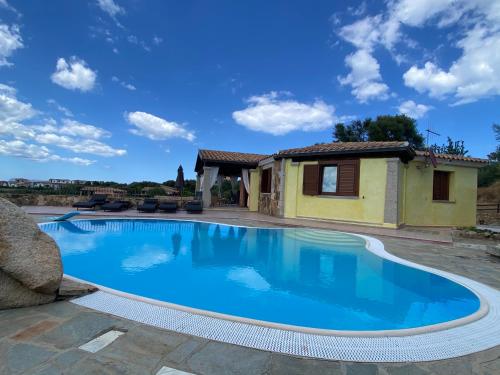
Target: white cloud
{"points": [[365, 34], [417, 13], [139, 42], [11, 109], [127, 85], [110, 7], [414, 110], [156, 128], [74, 160], [60, 108], [10, 40], [364, 78], [430, 78], [272, 113], [357, 11], [13, 112], [157, 40], [31, 151], [362, 34], [5, 5], [16, 130], [74, 75], [77, 129], [474, 75], [24, 150], [84, 146], [71, 135]]}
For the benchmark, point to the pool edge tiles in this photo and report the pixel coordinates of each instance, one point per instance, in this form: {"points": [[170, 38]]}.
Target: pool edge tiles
{"points": [[471, 336], [479, 335]]}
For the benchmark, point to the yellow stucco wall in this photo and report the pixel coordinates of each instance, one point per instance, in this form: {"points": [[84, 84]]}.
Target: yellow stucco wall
{"points": [[253, 204], [367, 208], [422, 211]]}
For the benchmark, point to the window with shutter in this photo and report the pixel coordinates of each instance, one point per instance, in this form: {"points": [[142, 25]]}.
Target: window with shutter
{"points": [[441, 186], [332, 177], [339, 177], [310, 184]]}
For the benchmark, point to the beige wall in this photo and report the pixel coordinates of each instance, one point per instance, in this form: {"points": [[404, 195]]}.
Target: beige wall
{"points": [[368, 207], [414, 196], [421, 210]]}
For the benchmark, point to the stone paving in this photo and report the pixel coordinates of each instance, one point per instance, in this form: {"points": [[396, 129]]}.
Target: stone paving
{"points": [[45, 339]]}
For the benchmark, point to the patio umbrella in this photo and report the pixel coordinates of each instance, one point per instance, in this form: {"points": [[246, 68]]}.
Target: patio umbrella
{"points": [[179, 181]]}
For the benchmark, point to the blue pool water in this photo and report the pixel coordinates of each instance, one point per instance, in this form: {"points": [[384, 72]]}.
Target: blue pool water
{"points": [[303, 277]]}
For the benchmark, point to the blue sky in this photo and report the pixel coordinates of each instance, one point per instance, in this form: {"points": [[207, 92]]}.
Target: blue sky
{"points": [[117, 90]]}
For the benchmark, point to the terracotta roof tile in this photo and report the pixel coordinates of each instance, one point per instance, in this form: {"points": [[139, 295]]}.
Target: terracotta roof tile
{"points": [[453, 157], [344, 146], [230, 156]]}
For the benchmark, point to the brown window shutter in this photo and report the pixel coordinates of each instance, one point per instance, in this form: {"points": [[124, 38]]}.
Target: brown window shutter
{"points": [[348, 178], [310, 184], [441, 186]]}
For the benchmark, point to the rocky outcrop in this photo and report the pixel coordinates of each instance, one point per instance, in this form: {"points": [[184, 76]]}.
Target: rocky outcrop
{"points": [[30, 261]]}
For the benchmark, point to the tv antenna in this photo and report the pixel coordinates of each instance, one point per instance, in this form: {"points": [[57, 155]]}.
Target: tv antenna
{"points": [[430, 153], [429, 132]]}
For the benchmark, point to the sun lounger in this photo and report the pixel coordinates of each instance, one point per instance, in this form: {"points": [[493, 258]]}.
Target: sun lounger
{"points": [[92, 203], [168, 207], [194, 207], [149, 205], [116, 206]]}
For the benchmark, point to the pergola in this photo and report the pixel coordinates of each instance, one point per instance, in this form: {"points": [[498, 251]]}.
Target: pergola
{"points": [[212, 166]]}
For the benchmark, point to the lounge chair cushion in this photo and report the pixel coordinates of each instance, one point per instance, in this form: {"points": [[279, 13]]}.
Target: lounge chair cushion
{"points": [[116, 206], [194, 206], [149, 205], [168, 206]]}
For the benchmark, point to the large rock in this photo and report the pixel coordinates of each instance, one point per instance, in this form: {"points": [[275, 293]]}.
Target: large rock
{"points": [[30, 261]]}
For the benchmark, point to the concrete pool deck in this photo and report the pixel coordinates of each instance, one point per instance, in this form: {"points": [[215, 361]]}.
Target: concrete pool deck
{"points": [[45, 339]]}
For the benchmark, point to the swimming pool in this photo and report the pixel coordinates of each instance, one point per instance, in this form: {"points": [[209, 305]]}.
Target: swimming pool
{"points": [[294, 276]]}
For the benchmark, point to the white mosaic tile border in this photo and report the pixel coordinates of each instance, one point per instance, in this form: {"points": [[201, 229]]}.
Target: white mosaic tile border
{"points": [[472, 337]]}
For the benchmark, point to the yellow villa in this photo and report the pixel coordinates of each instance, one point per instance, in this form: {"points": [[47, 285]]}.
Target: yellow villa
{"points": [[373, 183]]}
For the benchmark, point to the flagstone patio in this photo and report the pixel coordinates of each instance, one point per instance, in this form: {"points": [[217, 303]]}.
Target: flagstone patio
{"points": [[46, 339]]}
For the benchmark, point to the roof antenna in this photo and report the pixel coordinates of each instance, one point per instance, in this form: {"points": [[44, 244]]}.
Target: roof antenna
{"points": [[429, 131], [430, 153]]}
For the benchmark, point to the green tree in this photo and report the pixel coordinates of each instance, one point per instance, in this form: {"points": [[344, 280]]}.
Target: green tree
{"points": [[491, 173], [135, 187], [189, 188], [451, 147], [496, 130], [156, 191], [356, 131], [383, 128]]}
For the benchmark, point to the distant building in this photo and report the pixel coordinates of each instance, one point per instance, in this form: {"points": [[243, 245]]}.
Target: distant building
{"points": [[40, 183], [104, 190], [4, 183], [60, 181], [19, 182], [79, 182]]}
